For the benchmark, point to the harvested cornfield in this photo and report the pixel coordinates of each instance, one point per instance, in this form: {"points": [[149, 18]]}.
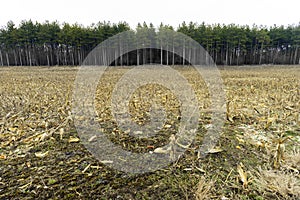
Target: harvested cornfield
{"points": [[42, 157]]}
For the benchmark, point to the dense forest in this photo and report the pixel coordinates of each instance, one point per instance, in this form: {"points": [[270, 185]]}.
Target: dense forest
{"points": [[52, 43]]}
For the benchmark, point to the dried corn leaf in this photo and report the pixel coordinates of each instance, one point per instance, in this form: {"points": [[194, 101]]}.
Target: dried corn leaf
{"points": [[61, 133], [107, 161], [41, 154], [162, 150], [215, 150], [73, 139], [242, 175]]}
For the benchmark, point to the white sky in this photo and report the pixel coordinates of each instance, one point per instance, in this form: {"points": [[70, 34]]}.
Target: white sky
{"points": [[260, 12]]}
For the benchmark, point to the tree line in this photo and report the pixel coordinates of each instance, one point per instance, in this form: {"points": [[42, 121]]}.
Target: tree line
{"points": [[52, 43]]}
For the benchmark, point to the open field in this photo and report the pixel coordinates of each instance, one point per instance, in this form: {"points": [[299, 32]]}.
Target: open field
{"points": [[257, 156]]}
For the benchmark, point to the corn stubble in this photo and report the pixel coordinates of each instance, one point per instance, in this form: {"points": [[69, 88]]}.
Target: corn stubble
{"points": [[263, 107]]}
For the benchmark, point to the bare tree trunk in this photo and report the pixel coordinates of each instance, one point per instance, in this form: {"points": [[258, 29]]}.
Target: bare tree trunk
{"points": [[20, 57], [194, 60], [79, 56], [127, 56], [173, 56], [183, 53], [137, 57], [30, 59], [52, 55], [150, 52], [284, 57], [230, 57], [1, 58], [104, 58], [237, 57], [57, 56], [190, 54], [167, 54], [65, 57], [290, 59], [72, 57], [254, 53], [216, 53], [261, 53], [238, 53], [48, 61], [144, 56], [35, 60], [7, 59], [15, 57], [295, 56], [276, 54], [26, 55], [226, 56], [121, 53], [161, 54]]}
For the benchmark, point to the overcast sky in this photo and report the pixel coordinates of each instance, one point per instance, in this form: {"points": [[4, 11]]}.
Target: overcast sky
{"points": [[86, 12]]}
